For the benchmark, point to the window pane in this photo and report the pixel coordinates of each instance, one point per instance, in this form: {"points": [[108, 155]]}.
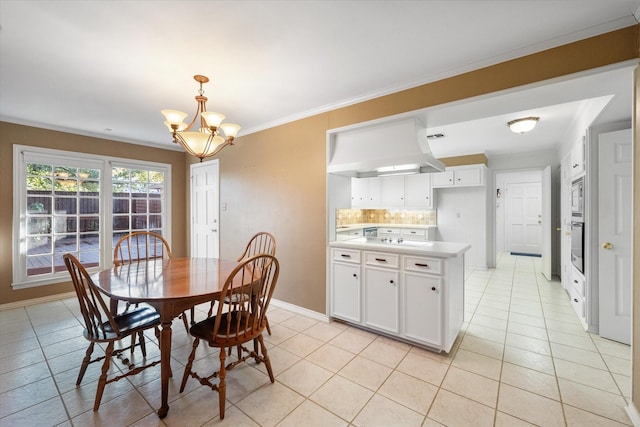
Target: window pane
{"points": [[89, 205], [65, 224], [138, 189], [39, 205], [120, 174], [89, 187], [39, 225], [65, 172], [139, 176], [121, 206], [120, 189], [65, 185], [39, 245], [139, 222], [39, 183], [39, 265], [121, 223], [37, 169], [90, 259], [65, 244], [65, 205], [139, 206], [89, 223], [155, 221]]}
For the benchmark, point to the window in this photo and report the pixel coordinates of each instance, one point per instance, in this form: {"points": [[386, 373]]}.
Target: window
{"points": [[80, 204]]}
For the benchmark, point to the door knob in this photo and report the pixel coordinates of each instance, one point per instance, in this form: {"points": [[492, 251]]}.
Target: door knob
{"points": [[607, 246]]}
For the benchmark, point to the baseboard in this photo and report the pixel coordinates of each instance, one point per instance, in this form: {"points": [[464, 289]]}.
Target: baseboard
{"points": [[633, 413], [300, 310], [34, 301]]}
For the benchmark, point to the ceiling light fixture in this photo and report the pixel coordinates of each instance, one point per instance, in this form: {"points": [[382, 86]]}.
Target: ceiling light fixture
{"points": [[206, 141], [523, 125]]}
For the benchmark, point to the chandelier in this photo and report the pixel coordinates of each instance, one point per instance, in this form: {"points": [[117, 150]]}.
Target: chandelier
{"points": [[206, 140]]}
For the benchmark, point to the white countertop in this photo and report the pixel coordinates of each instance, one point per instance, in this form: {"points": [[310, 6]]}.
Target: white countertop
{"points": [[351, 227], [438, 249]]}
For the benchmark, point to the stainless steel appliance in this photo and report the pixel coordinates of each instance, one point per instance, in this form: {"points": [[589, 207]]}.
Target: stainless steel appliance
{"points": [[577, 245], [577, 200], [370, 232]]}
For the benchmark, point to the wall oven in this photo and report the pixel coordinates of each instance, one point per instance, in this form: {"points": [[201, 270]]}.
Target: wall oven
{"points": [[577, 200], [577, 245]]}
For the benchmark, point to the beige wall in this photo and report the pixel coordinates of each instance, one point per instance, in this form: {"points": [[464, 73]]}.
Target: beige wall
{"points": [[11, 134]]}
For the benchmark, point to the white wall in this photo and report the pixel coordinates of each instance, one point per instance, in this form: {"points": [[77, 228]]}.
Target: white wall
{"points": [[462, 217]]}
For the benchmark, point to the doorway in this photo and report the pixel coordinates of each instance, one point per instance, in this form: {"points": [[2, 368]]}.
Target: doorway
{"points": [[205, 209], [519, 212]]}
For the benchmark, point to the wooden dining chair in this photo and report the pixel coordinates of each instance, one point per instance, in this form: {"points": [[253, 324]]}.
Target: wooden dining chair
{"points": [[236, 324], [101, 326], [261, 243], [145, 245]]}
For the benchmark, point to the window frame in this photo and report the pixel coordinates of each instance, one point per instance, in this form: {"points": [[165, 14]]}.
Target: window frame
{"points": [[23, 154]]}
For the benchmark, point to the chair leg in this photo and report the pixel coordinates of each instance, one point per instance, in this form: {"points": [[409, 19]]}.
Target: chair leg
{"points": [[143, 345], [187, 369], [133, 343], [85, 363], [266, 319], [103, 378], [222, 384], [193, 316], [265, 356], [183, 316]]}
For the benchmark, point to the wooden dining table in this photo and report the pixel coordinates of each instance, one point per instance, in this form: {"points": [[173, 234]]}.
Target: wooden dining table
{"points": [[171, 286]]}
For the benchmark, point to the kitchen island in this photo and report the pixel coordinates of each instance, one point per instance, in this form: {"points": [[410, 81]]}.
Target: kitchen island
{"points": [[409, 290]]}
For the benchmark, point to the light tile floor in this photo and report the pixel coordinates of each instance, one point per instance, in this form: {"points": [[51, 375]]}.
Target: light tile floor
{"points": [[522, 359]]}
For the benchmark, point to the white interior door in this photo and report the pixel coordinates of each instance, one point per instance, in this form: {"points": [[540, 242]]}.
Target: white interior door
{"points": [[205, 209], [524, 217], [614, 253], [546, 222]]}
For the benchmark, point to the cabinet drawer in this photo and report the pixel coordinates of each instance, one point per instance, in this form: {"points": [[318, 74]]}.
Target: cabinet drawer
{"points": [[578, 283], [386, 231], [413, 234], [382, 259], [345, 255], [577, 302], [423, 264]]}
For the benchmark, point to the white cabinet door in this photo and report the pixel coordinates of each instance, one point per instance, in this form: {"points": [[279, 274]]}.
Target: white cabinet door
{"points": [[418, 191], [460, 176], [421, 308], [468, 176], [365, 192], [345, 291], [381, 298], [443, 179], [392, 191], [578, 158]]}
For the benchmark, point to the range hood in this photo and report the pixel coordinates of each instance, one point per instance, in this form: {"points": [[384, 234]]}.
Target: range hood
{"points": [[393, 147]]}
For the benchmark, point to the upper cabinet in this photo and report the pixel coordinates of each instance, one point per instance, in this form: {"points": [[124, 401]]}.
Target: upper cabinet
{"points": [[392, 193], [365, 192], [460, 176], [395, 191], [578, 160], [418, 191]]}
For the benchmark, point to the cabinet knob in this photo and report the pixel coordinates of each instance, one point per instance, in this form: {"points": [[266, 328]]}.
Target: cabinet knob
{"points": [[433, 288], [381, 260], [355, 275], [391, 281], [607, 246], [575, 281], [575, 299]]}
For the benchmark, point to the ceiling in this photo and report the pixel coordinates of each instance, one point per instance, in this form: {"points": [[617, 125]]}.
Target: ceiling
{"points": [[106, 68]]}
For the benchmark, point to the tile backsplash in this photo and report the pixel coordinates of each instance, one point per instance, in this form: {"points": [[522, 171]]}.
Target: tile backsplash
{"points": [[386, 216]]}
